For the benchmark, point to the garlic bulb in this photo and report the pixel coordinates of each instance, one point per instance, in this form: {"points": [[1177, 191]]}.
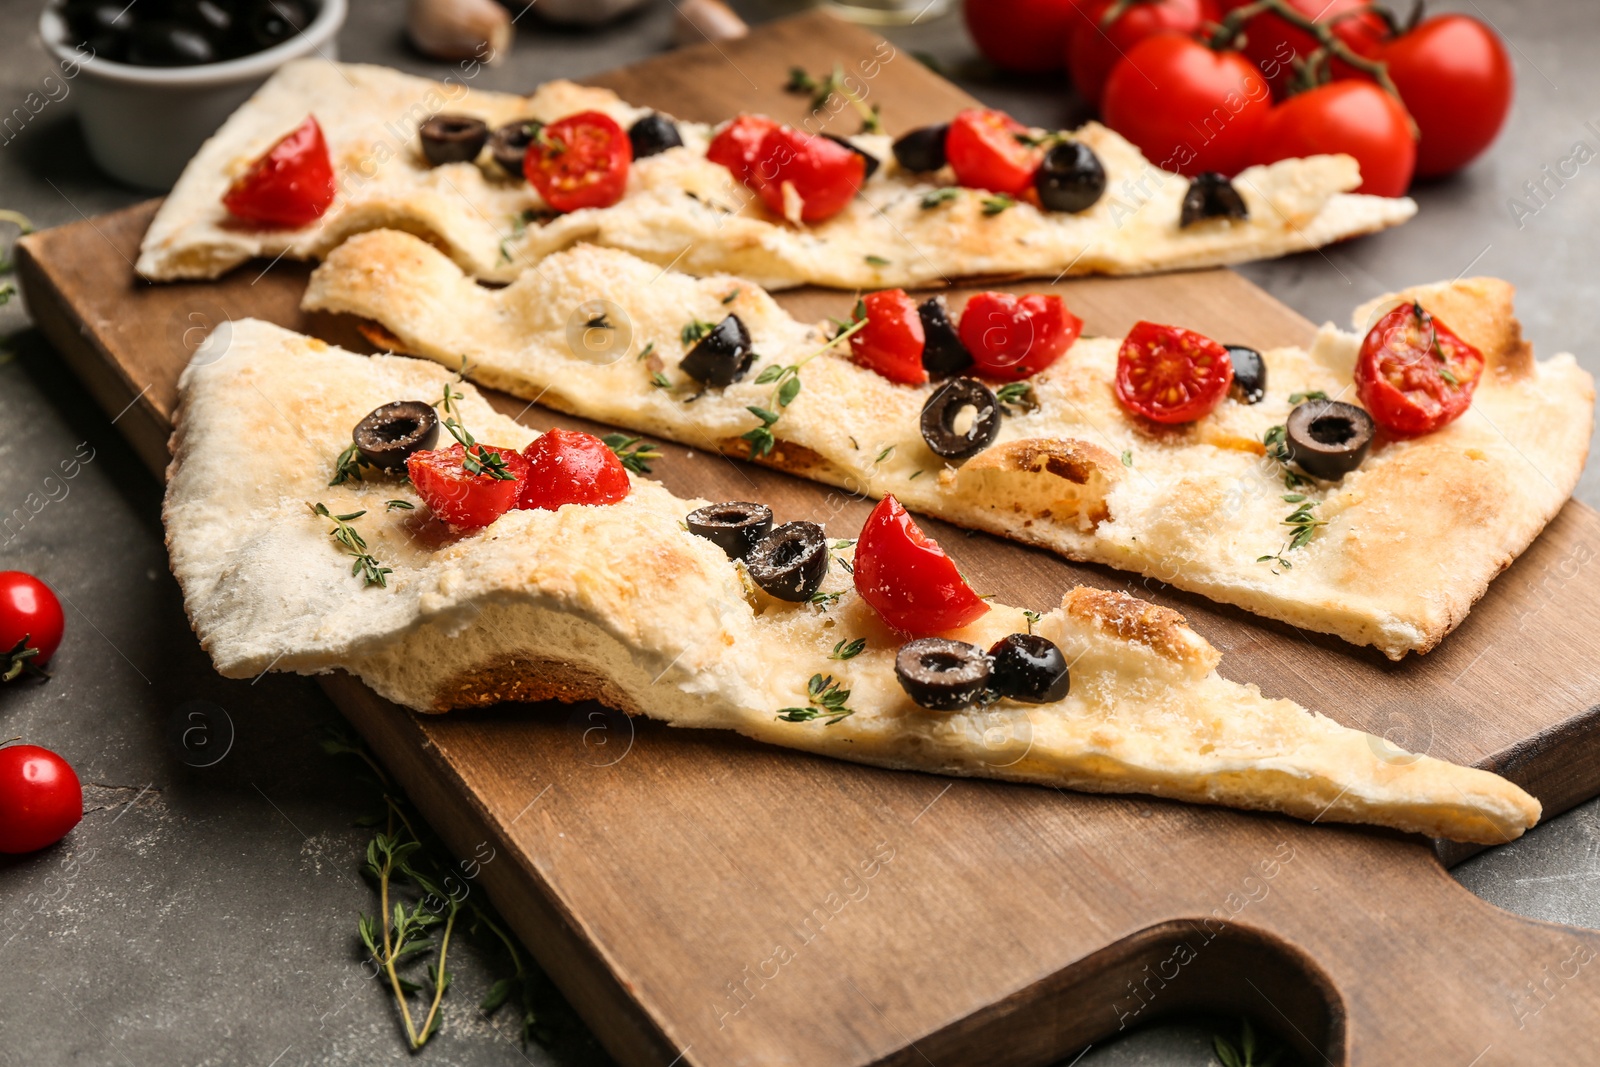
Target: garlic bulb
{"points": [[459, 29]]}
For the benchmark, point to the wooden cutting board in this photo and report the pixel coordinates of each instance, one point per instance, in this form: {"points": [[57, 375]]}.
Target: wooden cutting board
{"points": [[705, 900]]}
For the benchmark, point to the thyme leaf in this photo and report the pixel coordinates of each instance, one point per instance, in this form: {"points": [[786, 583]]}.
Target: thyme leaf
{"points": [[825, 700], [942, 195], [366, 565], [995, 203], [848, 649], [634, 452]]}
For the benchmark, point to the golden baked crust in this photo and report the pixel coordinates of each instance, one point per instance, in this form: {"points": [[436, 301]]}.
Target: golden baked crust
{"points": [[1193, 506], [681, 209]]}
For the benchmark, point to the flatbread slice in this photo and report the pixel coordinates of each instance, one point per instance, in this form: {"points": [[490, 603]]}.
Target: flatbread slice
{"points": [[621, 604], [1195, 506], [679, 208]]}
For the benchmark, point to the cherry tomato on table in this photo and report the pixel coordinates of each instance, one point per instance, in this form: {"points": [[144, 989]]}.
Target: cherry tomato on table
{"points": [[1414, 374], [1456, 80], [579, 161], [1094, 48], [1353, 117], [1014, 337], [821, 176], [1022, 35], [40, 798], [737, 144], [984, 151], [1171, 375], [892, 341], [1187, 108], [1274, 45], [459, 496], [571, 467], [30, 617], [907, 578], [290, 186]]}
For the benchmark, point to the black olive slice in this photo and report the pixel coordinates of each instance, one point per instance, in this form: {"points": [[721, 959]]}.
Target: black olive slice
{"points": [[1070, 178], [791, 561], [941, 674], [1328, 438], [943, 354], [871, 160], [1249, 374], [922, 150], [391, 433], [1211, 196], [722, 356], [452, 138], [653, 134], [509, 144], [1030, 668], [736, 527], [943, 413]]}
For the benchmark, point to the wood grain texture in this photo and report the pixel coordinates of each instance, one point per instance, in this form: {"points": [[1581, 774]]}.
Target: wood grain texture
{"points": [[705, 900]]}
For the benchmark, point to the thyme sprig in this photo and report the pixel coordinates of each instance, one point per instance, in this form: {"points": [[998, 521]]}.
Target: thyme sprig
{"points": [[785, 382], [802, 82], [1017, 395], [475, 458], [366, 565], [847, 649], [348, 467], [634, 452], [695, 330], [1303, 523], [825, 701]]}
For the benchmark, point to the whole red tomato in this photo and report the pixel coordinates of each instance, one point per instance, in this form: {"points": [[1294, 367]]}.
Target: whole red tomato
{"points": [[290, 186], [1094, 48], [1022, 35], [1187, 108], [1456, 80], [580, 161], [571, 467], [40, 798], [1275, 46], [907, 578], [1353, 117], [30, 617]]}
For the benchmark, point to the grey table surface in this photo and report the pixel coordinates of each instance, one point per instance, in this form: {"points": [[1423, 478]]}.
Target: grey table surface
{"points": [[208, 915]]}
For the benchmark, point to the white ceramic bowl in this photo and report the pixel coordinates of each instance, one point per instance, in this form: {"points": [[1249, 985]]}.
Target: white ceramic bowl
{"points": [[144, 123]]}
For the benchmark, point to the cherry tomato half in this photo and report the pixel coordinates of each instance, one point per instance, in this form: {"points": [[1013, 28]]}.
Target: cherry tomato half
{"points": [[30, 617], [1171, 375], [579, 161], [290, 186], [1275, 46], [1022, 35], [1414, 374], [571, 467], [1353, 117], [739, 142], [824, 175], [457, 495], [1093, 49], [892, 341], [1014, 337], [1187, 108], [40, 798], [1456, 80], [984, 151], [907, 578]]}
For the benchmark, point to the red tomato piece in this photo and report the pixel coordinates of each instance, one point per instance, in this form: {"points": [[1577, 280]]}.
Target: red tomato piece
{"points": [[1275, 46], [891, 342], [1187, 108], [1093, 48], [1353, 117], [1414, 374], [907, 578], [1456, 80], [571, 467], [824, 175], [579, 161], [1023, 35], [290, 186], [1171, 375], [30, 617], [984, 151], [40, 798], [457, 495], [738, 144], [1016, 337]]}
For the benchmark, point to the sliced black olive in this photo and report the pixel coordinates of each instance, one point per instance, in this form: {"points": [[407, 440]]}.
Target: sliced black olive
{"points": [[922, 150], [509, 144], [1328, 438], [168, 44], [653, 134], [1030, 668], [872, 161], [1211, 196], [735, 527], [722, 356], [452, 138], [1070, 178], [960, 419], [791, 561], [943, 354], [941, 674], [1249, 374], [272, 22], [391, 433]]}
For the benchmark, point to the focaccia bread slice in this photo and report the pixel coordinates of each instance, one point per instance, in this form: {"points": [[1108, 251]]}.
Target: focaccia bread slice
{"points": [[679, 208], [620, 603], [1195, 506]]}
